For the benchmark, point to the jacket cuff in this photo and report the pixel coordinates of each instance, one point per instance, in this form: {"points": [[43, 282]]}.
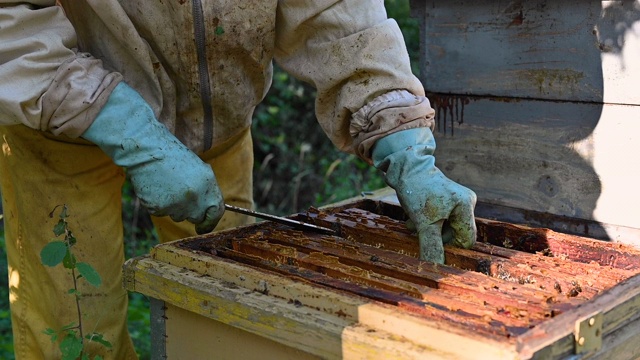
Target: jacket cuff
{"points": [[387, 114], [78, 92]]}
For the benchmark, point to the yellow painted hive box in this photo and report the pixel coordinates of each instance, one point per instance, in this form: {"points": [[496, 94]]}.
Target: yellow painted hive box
{"points": [[519, 293]]}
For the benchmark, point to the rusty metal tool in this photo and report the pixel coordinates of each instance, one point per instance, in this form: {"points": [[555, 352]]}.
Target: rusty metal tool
{"points": [[281, 220]]}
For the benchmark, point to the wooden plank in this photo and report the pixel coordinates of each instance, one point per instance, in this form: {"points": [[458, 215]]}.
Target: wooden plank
{"points": [[272, 318], [291, 320], [553, 243], [263, 281], [518, 154], [572, 226], [454, 280], [316, 296], [567, 159], [434, 337], [620, 307], [563, 50], [356, 339], [550, 272], [188, 335], [485, 62], [564, 279], [436, 306], [269, 317]]}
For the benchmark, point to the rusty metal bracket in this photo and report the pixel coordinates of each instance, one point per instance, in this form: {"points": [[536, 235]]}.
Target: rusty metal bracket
{"points": [[588, 333], [158, 329]]}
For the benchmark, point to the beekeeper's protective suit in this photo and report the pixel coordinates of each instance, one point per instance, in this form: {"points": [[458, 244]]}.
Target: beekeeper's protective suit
{"points": [[87, 86]]}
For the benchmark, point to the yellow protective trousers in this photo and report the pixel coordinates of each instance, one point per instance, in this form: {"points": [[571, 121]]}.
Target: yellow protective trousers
{"points": [[39, 172]]}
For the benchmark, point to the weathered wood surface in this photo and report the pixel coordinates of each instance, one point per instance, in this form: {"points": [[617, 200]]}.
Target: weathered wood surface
{"points": [[536, 104], [188, 335], [494, 300], [403, 268], [328, 323], [568, 225], [375, 257], [556, 244], [568, 259], [545, 270], [388, 214], [328, 336], [620, 307], [545, 258], [569, 159], [562, 50], [390, 218]]}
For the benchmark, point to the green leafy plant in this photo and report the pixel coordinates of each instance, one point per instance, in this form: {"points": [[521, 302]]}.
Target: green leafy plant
{"points": [[71, 338]]}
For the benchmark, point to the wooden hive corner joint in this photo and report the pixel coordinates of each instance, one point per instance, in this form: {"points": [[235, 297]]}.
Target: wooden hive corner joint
{"points": [[588, 333]]}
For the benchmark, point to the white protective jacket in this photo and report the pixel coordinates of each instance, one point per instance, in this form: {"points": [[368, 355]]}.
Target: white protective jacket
{"points": [[203, 65]]}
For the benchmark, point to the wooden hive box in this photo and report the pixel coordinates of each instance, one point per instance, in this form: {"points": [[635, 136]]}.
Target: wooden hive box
{"points": [[538, 109], [519, 293]]}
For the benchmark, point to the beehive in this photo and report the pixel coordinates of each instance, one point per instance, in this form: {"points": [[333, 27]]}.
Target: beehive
{"points": [[519, 293]]}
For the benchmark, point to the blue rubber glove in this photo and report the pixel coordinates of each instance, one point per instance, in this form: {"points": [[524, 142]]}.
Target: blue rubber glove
{"points": [[427, 196], [168, 178]]}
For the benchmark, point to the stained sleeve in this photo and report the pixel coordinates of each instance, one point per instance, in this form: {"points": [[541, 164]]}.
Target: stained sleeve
{"points": [[46, 83], [357, 60]]}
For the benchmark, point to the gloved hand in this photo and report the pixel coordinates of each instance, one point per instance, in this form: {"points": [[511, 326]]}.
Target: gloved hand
{"points": [[428, 197], [168, 178]]}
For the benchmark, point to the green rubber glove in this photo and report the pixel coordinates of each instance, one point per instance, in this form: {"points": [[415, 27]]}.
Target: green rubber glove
{"points": [[168, 178], [427, 196]]}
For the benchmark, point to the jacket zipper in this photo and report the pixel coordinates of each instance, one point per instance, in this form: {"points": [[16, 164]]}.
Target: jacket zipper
{"points": [[203, 71]]}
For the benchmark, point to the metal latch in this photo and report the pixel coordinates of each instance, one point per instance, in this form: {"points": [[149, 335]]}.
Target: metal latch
{"points": [[588, 334]]}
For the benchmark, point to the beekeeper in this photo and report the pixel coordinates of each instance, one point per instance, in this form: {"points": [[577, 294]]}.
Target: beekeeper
{"points": [[164, 92]]}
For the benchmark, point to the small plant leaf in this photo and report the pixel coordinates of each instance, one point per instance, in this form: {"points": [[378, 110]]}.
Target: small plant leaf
{"points": [[70, 238], [69, 260], [69, 326], [53, 253], [89, 273], [60, 227], [219, 30], [71, 347], [99, 338], [52, 334], [63, 212]]}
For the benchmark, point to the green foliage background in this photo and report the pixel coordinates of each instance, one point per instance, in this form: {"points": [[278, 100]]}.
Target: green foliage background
{"points": [[296, 166]]}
